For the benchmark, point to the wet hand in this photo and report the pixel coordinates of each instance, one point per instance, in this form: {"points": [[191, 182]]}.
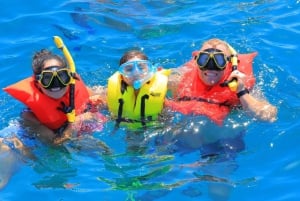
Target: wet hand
{"points": [[66, 135], [64, 108], [240, 77], [268, 113]]}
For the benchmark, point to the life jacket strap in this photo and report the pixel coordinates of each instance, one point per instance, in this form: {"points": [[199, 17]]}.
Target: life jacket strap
{"points": [[143, 105], [144, 120], [59, 131], [187, 98]]}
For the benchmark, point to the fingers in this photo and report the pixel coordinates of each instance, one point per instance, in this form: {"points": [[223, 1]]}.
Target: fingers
{"points": [[268, 113], [62, 139], [237, 74], [64, 108], [241, 77]]}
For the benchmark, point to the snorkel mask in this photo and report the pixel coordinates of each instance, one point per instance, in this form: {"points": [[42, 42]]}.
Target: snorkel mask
{"points": [[54, 77], [211, 59], [139, 71]]}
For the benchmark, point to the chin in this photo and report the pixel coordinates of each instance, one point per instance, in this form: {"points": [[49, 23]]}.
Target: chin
{"points": [[56, 94], [210, 82]]}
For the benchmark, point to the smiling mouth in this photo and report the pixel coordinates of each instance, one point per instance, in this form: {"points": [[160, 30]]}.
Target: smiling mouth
{"points": [[211, 74], [55, 89]]}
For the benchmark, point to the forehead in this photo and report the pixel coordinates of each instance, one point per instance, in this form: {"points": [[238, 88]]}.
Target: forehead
{"points": [[51, 62], [136, 58], [220, 46]]}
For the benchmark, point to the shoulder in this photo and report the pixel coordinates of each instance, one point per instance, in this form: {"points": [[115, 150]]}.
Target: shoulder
{"points": [[175, 77], [99, 90], [177, 73], [29, 117], [116, 75]]}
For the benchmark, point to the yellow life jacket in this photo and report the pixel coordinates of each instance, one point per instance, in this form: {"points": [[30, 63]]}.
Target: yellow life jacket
{"points": [[136, 110]]}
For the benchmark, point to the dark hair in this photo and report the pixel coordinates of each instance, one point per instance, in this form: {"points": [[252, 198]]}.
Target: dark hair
{"points": [[43, 55], [131, 54]]}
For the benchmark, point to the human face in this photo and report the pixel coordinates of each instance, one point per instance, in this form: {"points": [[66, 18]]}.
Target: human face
{"points": [[55, 92], [135, 68], [136, 72], [208, 76], [211, 59]]}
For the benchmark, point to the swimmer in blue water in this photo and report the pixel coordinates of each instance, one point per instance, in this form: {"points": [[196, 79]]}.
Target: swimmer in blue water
{"points": [[216, 82], [11, 150], [135, 95], [201, 89], [58, 108], [57, 99], [7, 160]]}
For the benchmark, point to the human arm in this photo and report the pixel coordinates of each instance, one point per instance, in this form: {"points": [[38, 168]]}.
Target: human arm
{"points": [[98, 95], [260, 109], [43, 133], [174, 79], [72, 128], [97, 101], [8, 160], [85, 123]]}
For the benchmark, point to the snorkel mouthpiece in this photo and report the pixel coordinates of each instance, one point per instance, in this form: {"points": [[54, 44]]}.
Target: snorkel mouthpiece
{"points": [[139, 83]]}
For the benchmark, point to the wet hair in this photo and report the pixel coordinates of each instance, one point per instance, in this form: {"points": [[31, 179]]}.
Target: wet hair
{"points": [[214, 42], [43, 55], [131, 54]]}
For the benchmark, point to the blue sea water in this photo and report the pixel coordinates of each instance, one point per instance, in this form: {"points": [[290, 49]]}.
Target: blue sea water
{"points": [[97, 33]]}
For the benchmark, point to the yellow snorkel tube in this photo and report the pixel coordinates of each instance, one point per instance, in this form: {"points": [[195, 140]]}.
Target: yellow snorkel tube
{"points": [[60, 45], [232, 84]]}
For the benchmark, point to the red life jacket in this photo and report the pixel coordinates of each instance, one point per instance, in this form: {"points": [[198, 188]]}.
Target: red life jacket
{"points": [[215, 102], [45, 107]]}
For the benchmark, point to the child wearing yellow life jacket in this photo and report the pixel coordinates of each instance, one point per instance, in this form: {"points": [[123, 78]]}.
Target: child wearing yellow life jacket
{"points": [[136, 93]]}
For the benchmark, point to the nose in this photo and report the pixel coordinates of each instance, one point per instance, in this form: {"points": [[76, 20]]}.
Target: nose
{"points": [[136, 70]]}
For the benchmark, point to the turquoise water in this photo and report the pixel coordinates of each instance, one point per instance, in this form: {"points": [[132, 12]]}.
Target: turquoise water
{"points": [[97, 33]]}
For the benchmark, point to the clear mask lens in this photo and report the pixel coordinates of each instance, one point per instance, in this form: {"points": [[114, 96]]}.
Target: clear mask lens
{"points": [[139, 71]]}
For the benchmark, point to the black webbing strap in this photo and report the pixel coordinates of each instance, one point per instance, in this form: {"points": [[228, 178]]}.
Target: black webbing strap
{"points": [[186, 98], [143, 105]]}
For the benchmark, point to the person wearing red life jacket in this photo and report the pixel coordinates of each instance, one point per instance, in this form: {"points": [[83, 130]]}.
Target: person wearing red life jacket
{"points": [[200, 86], [9, 158], [46, 95], [205, 90]]}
